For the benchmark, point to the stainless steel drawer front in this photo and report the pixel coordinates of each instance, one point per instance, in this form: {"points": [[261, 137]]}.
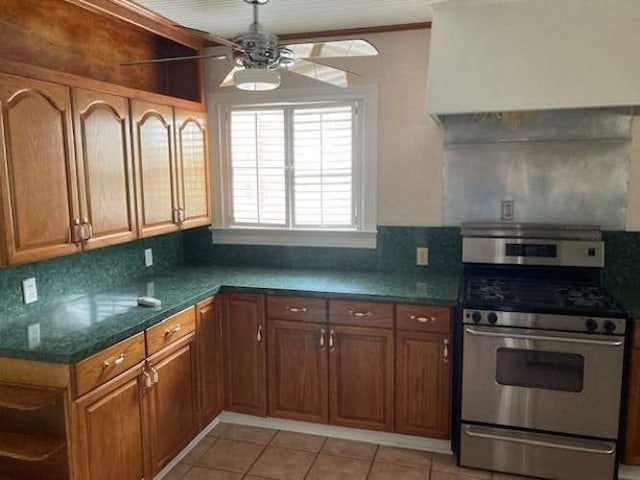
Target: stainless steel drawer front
{"points": [[553, 381], [536, 455]]}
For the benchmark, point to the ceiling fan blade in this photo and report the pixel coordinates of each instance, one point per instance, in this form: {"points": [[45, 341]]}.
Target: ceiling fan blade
{"points": [[174, 59], [228, 80], [338, 48], [323, 73]]}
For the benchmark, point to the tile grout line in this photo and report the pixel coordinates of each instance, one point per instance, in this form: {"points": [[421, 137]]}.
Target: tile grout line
{"points": [[315, 458], [264, 449], [373, 460]]}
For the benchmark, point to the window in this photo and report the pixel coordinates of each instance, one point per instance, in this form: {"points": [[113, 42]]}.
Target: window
{"points": [[297, 172]]}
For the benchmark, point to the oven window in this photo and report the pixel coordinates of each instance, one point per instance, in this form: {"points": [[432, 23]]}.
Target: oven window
{"points": [[536, 369]]}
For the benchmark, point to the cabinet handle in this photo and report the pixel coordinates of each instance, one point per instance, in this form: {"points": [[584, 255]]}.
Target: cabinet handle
{"points": [[332, 340], [446, 351], [183, 214], [90, 227], [176, 217], [360, 314], [297, 309], [78, 232], [155, 376], [422, 319], [323, 335], [259, 334], [171, 331], [147, 383], [118, 361]]}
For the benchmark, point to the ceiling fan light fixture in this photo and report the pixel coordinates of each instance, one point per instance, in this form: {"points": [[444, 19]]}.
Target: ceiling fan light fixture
{"points": [[256, 79]]}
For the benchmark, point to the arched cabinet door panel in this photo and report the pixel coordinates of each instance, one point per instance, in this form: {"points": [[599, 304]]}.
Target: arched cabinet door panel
{"points": [[105, 164], [38, 172], [194, 184], [153, 151]]}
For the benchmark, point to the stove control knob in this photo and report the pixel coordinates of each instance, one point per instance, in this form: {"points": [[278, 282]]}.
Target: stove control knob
{"points": [[476, 317], [609, 326], [493, 318], [591, 325]]}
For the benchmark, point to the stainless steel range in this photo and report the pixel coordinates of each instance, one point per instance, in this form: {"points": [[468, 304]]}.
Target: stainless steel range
{"points": [[543, 353]]}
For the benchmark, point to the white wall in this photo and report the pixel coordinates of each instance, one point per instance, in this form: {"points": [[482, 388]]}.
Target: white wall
{"points": [[534, 54], [409, 142]]}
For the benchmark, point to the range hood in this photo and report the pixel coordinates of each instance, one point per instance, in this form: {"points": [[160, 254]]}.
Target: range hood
{"points": [[519, 55]]}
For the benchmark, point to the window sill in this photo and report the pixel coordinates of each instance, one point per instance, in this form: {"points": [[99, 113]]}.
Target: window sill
{"points": [[297, 238]]}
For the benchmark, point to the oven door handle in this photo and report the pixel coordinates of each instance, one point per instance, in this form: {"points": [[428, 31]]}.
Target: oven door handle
{"points": [[608, 450], [524, 336]]}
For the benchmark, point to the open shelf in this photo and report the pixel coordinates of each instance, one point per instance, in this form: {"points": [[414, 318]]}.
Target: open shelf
{"points": [[18, 397], [30, 448]]}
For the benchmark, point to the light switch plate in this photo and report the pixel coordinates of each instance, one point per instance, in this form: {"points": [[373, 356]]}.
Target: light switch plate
{"points": [[29, 290], [148, 257]]}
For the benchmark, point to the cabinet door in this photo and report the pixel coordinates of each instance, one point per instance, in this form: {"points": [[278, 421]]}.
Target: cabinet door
{"points": [[155, 168], [422, 384], [210, 373], [298, 371], [110, 430], [172, 404], [192, 156], [38, 173], [361, 377], [244, 354], [103, 146]]}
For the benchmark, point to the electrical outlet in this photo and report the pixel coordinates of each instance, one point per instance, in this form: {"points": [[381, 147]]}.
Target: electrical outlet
{"points": [[151, 289], [33, 335], [422, 256], [148, 257], [29, 290], [506, 210]]}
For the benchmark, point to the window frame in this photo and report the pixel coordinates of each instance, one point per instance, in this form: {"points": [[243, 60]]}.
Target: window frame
{"points": [[364, 170]]}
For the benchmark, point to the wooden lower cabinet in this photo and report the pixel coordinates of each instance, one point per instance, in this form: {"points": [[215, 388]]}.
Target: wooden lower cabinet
{"points": [[245, 357], [172, 404], [422, 384], [110, 430], [210, 372], [361, 362], [631, 445], [298, 371]]}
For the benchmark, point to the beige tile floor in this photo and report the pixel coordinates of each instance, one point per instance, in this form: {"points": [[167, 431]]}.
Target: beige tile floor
{"points": [[236, 452]]}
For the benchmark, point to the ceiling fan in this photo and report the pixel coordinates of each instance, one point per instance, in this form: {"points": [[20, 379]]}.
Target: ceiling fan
{"points": [[258, 56]]}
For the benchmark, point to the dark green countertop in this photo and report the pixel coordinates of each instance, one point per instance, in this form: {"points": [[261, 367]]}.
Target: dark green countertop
{"points": [[629, 299], [72, 330]]}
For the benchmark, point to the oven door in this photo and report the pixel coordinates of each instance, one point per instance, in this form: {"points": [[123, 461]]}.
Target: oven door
{"points": [[553, 381]]}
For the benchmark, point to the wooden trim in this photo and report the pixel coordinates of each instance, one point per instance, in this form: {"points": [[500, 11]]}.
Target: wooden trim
{"points": [[32, 372], [77, 81], [354, 31], [141, 17]]}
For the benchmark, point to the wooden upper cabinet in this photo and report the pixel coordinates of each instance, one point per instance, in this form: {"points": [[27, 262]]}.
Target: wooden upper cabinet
{"points": [[153, 152], [245, 358], [423, 384], [110, 430], [38, 172], [193, 168], [298, 371], [172, 404], [361, 362], [210, 372], [105, 167]]}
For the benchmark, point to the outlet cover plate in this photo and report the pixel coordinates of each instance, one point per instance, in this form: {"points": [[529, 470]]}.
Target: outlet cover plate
{"points": [[422, 256], [29, 290], [148, 257]]}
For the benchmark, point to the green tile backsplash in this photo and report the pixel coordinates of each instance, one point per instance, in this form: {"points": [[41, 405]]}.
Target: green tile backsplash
{"points": [[396, 252], [85, 272]]}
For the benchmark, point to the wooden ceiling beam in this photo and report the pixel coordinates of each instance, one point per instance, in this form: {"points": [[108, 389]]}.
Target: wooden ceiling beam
{"points": [[141, 17]]}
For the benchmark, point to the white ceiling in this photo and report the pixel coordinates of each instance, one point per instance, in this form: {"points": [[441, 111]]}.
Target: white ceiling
{"points": [[230, 17]]}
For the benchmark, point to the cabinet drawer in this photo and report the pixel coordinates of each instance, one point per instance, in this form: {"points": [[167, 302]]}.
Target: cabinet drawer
{"points": [[168, 331], [366, 314], [108, 363], [423, 318], [302, 309]]}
